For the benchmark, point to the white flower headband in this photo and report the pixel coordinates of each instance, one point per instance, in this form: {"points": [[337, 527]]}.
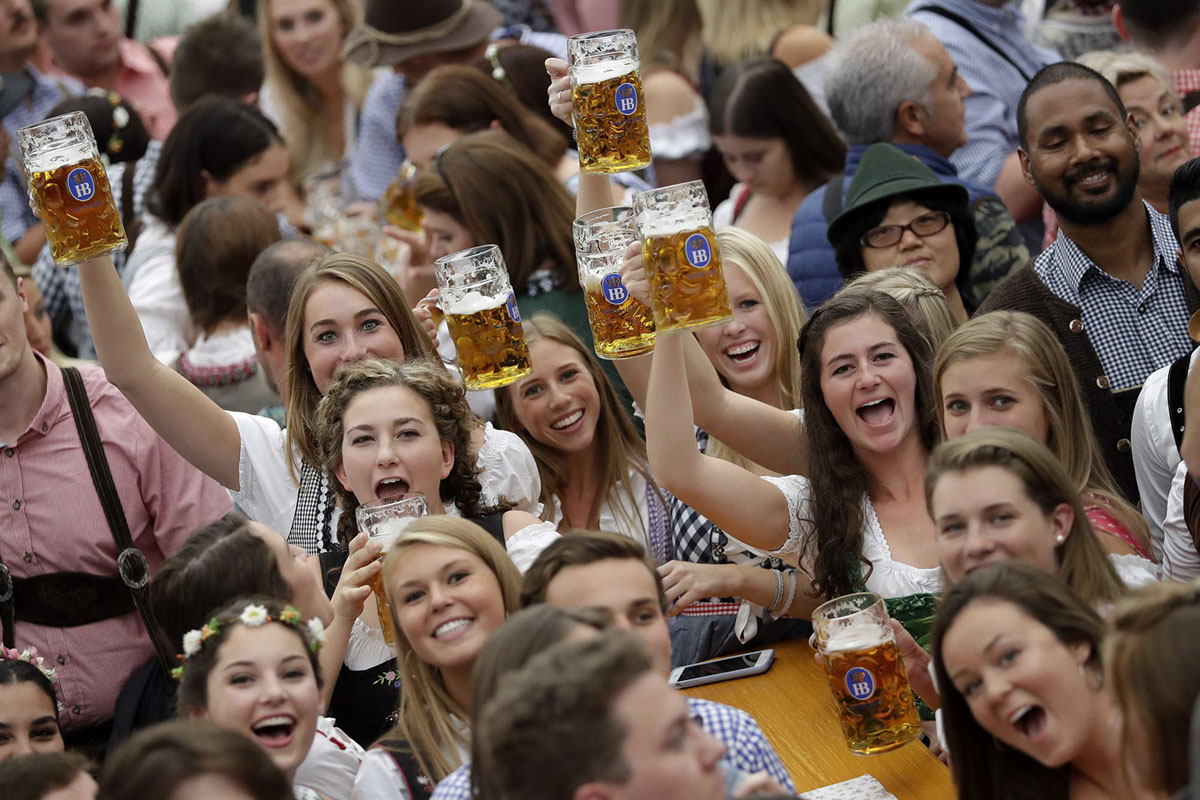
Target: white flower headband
{"points": [[253, 616]]}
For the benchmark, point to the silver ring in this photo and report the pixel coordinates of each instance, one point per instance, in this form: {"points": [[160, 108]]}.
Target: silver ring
{"points": [[561, 92]]}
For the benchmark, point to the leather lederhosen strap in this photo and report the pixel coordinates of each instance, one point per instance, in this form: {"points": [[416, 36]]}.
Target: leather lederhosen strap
{"points": [[1191, 510], [68, 599]]}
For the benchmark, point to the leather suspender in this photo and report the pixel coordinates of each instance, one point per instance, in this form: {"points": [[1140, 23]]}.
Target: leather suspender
{"points": [[131, 564]]}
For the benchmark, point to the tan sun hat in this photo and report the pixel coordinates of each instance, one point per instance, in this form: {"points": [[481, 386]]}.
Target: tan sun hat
{"points": [[394, 31]]}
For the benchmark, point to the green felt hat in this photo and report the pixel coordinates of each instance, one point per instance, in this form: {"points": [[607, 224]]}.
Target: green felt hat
{"points": [[884, 172]]}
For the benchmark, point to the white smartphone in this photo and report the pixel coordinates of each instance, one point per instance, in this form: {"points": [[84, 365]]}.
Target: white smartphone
{"points": [[722, 669]]}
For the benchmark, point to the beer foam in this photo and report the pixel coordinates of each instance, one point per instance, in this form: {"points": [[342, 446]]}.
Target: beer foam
{"points": [[674, 223], [859, 634], [385, 530], [594, 73], [473, 303]]}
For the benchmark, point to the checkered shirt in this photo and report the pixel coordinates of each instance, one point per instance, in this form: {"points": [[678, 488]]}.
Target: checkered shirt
{"points": [[46, 93], [1133, 331], [60, 286], [746, 745], [1187, 81]]}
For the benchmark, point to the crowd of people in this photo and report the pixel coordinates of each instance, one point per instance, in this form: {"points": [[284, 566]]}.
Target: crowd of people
{"points": [[960, 241]]}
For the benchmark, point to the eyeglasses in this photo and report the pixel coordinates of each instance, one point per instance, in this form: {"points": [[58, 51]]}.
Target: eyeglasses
{"points": [[890, 235]]}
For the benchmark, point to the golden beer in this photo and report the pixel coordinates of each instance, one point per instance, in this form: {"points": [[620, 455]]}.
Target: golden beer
{"points": [[687, 287], [607, 101], [383, 606], [69, 187], [874, 699], [866, 675], [490, 342], [399, 202], [622, 326], [78, 211], [610, 120], [383, 521]]}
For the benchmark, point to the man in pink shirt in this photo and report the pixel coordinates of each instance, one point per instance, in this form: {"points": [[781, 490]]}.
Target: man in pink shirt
{"points": [[52, 521], [86, 43]]}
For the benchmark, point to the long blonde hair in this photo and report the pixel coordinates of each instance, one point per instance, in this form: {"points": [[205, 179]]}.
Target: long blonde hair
{"points": [[919, 295], [426, 723], [1047, 369], [303, 116], [733, 31], [617, 445], [668, 34], [785, 311], [300, 391]]}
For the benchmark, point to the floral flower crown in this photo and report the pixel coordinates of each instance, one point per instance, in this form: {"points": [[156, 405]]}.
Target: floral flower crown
{"points": [[253, 616], [30, 656]]}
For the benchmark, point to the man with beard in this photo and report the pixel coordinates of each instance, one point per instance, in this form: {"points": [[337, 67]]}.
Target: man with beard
{"points": [[1110, 286]]}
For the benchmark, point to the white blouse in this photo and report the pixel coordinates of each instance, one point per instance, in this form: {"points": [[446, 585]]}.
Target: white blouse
{"points": [[1180, 561], [267, 492], [156, 293], [617, 513], [331, 763], [888, 578], [379, 777]]}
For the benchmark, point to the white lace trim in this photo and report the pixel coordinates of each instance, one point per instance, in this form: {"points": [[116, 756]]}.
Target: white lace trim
{"points": [[685, 136]]}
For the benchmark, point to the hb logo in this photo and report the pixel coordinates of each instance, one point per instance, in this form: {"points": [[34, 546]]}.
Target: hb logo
{"points": [[80, 184], [860, 683], [626, 97], [697, 250], [513, 311], [614, 291]]}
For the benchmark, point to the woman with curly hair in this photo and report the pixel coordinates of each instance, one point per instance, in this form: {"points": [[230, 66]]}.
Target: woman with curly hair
{"points": [[387, 430]]}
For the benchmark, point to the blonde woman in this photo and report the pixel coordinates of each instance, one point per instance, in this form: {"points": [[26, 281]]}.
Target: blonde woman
{"points": [[784, 29], [1150, 656], [592, 463], [1008, 368], [311, 94], [450, 586], [919, 295]]}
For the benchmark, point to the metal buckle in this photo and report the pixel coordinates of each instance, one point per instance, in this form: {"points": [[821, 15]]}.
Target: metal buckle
{"points": [[6, 585], [133, 568]]}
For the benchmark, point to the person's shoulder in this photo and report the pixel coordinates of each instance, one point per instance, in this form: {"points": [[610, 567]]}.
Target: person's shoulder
{"points": [[720, 720], [1016, 291], [801, 44]]}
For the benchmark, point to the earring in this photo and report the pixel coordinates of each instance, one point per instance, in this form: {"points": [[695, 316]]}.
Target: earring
{"points": [[1059, 539]]}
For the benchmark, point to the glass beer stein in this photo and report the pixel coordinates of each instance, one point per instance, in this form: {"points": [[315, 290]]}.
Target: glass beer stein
{"points": [[622, 326], [483, 318], [399, 204], [69, 188], [608, 102], [866, 674], [682, 262], [384, 520]]}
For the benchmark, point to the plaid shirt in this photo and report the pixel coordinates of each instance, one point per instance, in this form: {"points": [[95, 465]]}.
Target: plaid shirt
{"points": [[1187, 81], [746, 745], [1133, 331], [60, 287], [14, 198]]}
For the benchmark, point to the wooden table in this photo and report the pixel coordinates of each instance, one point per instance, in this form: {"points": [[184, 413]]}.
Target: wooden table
{"points": [[795, 708]]}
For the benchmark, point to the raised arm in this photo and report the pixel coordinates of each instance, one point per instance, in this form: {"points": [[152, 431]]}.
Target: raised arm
{"points": [[768, 436], [185, 417], [745, 506]]}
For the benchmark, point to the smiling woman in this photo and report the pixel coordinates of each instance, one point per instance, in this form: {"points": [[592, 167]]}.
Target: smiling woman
{"points": [[450, 585], [1017, 657]]}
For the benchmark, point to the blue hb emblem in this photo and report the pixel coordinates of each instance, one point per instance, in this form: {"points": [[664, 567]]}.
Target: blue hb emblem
{"points": [[513, 311], [698, 252], [80, 184], [626, 98], [614, 291], [860, 683]]}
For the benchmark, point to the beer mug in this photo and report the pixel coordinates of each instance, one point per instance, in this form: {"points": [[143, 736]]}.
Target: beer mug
{"points": [[69, 187], [622, 326], [866, 674], [483, 318], [683, 264], [399, 203], [384, 520], [607, 101]]}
